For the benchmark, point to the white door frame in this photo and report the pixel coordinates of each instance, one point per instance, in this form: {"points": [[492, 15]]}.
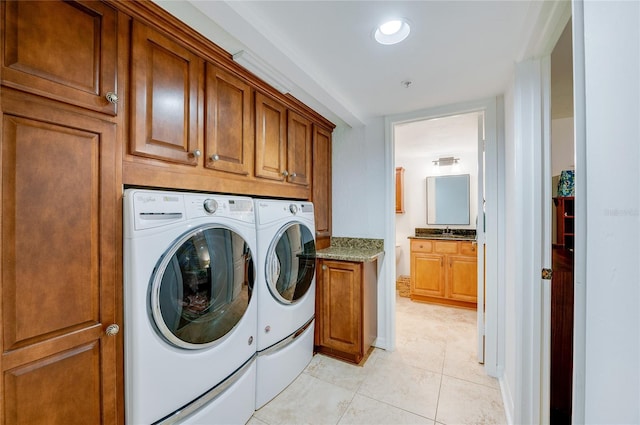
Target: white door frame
{"points": [[494, 173], [532, 119]]}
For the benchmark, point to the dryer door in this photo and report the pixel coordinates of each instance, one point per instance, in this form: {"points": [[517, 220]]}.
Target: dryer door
{"points": [[202, 287], [291, 263]]}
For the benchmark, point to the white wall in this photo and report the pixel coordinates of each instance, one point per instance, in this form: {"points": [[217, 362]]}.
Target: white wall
{"points": [[508, 381], [417, 169], [562, 150], [612, 278], [358, 196]]}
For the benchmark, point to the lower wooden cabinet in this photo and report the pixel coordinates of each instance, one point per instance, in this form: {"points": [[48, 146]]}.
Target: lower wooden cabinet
{"points": [[59, 280], [346, 308], [444, 271]]}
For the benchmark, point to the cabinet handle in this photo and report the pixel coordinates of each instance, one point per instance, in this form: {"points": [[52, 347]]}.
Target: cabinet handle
{"points": [[112, 330], [285, 173], [112, 97], [215, 157], [196, 153]]}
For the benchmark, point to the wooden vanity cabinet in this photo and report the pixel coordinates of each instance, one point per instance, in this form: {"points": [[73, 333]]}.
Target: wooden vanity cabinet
{"points": [[444, 271], [346, 308]]}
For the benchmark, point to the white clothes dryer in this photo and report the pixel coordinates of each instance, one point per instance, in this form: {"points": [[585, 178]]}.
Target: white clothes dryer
{"points": [[286, 293], [190, 307]]}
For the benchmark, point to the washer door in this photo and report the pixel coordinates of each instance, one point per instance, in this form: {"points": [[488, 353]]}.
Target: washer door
{"points": [[291, 263], [202, 287]]}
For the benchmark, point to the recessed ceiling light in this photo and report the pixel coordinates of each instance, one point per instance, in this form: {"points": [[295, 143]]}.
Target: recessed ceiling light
{"points": [[392, 32]]}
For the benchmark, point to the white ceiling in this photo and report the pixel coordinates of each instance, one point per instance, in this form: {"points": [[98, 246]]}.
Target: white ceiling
{"points": [[437, 137], [457, 50]]}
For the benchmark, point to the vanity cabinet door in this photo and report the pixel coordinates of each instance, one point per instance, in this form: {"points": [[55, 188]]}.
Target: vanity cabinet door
{"points": [[463, 278], [427, 274]]}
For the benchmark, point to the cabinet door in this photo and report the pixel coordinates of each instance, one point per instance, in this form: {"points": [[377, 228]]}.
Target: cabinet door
{"points": [[427, 275], [298, 149], [164, 103], [59, 245], [321, 195], [399, 190], [228, 139], [64, 50], [341, 284], [463, 278], [271, 138]]}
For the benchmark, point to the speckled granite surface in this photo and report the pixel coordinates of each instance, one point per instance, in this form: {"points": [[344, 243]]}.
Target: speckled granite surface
{"points": [[353, 249], [454, 234]]}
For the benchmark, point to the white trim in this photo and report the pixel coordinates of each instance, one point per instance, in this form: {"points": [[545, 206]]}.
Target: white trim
{"points": [[580, 241], [545, 202], [480, 229], [528, 293], [488, 106]]}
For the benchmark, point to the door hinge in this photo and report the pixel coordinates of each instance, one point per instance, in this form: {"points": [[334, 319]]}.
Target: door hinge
{"points": [[547, 274]]}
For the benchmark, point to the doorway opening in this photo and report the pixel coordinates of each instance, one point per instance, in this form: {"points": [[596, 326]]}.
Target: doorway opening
{"points": [[492, 204], [563, 229]]}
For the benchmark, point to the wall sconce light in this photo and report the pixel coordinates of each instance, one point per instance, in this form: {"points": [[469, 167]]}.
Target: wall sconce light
{"points": [[448, 160]]}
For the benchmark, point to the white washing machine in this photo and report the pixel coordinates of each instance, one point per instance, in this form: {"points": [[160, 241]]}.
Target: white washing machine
{"points": [[286, 293], [190, 308]]}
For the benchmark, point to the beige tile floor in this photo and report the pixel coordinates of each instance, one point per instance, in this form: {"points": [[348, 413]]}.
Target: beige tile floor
{"points": [[431, 378]]}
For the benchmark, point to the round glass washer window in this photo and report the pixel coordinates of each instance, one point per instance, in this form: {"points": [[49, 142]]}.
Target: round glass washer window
{"points": [[202, 287], [291, 263]]}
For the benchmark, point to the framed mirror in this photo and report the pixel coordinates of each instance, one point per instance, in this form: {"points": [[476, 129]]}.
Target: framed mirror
{"points": [[448, 199]]}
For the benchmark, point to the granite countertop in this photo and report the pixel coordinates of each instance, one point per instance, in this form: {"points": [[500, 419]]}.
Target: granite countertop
{"points": [[453, 234], [353, 249]]}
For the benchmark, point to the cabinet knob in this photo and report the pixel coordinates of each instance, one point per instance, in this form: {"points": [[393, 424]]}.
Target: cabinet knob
{"points": [[285, 173], [112, 97], [293, 175], [324, 267], [196, 153], [112, 330], [215, 157]]}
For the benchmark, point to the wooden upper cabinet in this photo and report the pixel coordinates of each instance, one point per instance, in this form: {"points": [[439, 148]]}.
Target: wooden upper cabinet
{"points": [[271, 138], [228, 138], [298, 149], [165, 79], [63, 50], [321, 184], [399, 190]]}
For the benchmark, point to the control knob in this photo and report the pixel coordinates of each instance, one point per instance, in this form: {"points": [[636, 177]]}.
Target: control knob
{"points": [[210, 205], [293, 208]]}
